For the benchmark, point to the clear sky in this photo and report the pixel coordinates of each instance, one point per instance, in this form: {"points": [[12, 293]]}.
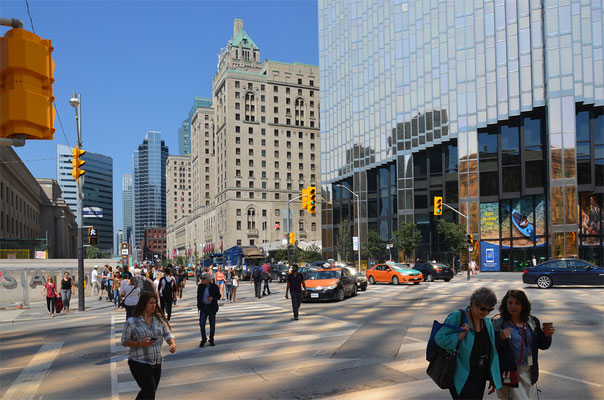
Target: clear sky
{"points": [[139, 64]]}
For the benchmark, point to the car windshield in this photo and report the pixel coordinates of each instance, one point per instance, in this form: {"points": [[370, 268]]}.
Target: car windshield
{"points": [[316, 275], [399, 267], [282, 268]]}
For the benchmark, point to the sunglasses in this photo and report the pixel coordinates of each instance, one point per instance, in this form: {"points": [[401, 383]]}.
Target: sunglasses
{"points": [[483, 309]]}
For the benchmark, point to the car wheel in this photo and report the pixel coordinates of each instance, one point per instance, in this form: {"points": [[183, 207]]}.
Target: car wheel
{"points": [[395, 280], [544, 282], [447, 280], [340, 294], [429, 278], [363, 288], [372, 280], [355, 291]]}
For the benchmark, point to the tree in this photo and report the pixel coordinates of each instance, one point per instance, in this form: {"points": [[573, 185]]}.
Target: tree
{"points": [[454, 236], [374, 244], [344, 240], [311, 254], [407, 238], [93, 252], [180, 260]]}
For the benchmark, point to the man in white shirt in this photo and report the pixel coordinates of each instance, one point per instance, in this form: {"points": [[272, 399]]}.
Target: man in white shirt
{"points": [[94, 281]]}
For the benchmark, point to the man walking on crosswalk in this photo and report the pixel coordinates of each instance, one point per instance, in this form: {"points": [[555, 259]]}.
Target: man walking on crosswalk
{"points": [[295, 283], [208, 295]]}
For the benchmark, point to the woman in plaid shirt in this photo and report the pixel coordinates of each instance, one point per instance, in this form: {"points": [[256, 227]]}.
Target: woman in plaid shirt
{"points": [[143, 333]]}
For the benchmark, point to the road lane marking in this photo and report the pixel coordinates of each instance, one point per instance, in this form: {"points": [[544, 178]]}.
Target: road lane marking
{"points": [[113, 365], [405, 390], [27, 383], [570, 379]]}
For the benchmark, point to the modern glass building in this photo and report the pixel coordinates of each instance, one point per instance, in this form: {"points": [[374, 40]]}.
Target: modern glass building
{"points": [[149, 177], [498, 106], [97, 189], [127, 211]]}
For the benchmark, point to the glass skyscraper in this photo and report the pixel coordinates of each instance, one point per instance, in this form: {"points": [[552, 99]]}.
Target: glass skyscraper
{"points": [[498, 106], [97, 189], [127, 211], [149, 177]]}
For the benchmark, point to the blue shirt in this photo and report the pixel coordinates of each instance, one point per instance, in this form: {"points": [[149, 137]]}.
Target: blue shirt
{"points": [[206, 294], [516, 342]]}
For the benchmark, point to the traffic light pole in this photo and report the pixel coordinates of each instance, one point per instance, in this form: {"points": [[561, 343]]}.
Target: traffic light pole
{"points": [[289, 228], [81, 298], [467, 230], [358, 222]]}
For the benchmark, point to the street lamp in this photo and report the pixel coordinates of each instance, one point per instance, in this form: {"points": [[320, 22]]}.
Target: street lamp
{"points": [[358, 219], [75, 102]]}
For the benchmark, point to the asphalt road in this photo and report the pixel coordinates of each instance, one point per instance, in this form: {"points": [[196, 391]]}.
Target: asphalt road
{"points": [[368, 347]]}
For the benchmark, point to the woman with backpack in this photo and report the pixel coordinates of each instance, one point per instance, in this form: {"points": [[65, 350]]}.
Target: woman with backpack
{"points": [[130, 294], [477, 359], [518, 336]]}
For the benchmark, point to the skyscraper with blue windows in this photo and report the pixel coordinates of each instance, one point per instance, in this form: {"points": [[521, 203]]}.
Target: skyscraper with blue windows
{"points": [[149, 178], [497, 106], [97, 190]]}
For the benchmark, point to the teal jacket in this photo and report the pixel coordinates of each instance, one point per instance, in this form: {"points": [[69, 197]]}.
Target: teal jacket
{"points": [[447, 339]]}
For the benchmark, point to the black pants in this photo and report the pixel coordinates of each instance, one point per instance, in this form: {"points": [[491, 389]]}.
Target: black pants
{"points": [[258, 287], [205, 314], [471, 390], [166, 305], [147, 377], [50, 304], [129, 310], [265, 289], [296, 301]]}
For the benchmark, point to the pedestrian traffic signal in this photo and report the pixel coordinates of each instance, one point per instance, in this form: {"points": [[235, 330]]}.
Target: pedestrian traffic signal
{"points": [[470, 239], [77, 163], [292, 238], [92, 236], [438, 205], [305, 199], [312, 199], [26, 78]]}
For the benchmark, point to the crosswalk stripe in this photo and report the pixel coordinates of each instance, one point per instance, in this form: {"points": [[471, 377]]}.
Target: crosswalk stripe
{"points": [[29, 380], [405, 390]]}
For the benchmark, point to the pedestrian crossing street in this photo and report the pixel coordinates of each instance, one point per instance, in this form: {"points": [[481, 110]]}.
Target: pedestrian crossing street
{"points": [[259, 341]]}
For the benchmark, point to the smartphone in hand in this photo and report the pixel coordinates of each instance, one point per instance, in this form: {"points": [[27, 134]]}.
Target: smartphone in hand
{"points": [[153, 339]]}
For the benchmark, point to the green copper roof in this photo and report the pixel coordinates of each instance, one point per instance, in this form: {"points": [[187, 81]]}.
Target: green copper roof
{"points": [[244, 39]]}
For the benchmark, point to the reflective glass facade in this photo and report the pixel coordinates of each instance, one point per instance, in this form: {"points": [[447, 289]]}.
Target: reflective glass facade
{"points": [[496, 105], [149, 175]]}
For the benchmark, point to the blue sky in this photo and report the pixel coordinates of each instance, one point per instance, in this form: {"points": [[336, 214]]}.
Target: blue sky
{"points": [[139, 64]]}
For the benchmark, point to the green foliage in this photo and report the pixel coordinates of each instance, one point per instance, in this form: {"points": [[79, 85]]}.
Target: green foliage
{"points": [[311, 254], [180, 261], [454, 236], [297, 255], [95, 252], [374, 244], [407, 238], [344, 240]]}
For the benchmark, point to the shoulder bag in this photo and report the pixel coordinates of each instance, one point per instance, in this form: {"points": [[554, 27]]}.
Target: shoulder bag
{"points": [[443, 364], [124, 299], [512, 377]]}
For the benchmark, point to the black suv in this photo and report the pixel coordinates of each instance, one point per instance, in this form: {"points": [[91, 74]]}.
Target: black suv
{"points": [[279, 272], [433, 272]]}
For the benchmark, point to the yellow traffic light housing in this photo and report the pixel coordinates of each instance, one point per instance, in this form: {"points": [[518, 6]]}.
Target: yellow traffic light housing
{"points": [[305, 200], [26, 79], [312, 199], [77, 163], [292, 238], [438, 205], [92, 236], [470, 239]]}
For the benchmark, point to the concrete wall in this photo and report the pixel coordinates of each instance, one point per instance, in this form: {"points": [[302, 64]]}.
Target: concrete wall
{"points": [[23, 280]]}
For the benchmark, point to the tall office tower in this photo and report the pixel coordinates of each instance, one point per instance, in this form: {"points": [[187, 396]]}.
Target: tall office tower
{"points": [[127, 212], [149, 178], [257, 146], [119, 239], [97, 190], [498, 107], [178, 188], [184, 132]]}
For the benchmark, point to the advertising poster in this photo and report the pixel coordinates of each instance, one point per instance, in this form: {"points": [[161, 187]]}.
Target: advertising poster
{"points": [[489, 222], [523, 222], [489, 257], [591, 218]]}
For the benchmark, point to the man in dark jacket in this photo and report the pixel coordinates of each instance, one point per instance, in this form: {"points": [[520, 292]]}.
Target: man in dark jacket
{"points": [[208, 295], [256, 277]]}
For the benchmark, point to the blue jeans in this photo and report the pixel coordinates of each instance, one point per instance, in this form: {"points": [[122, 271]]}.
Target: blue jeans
{"points": [[203, 317], [229, 291], [66, 295], [116, 298]]}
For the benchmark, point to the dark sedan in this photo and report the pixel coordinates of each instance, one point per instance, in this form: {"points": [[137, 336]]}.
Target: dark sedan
{"points": [[279, 272], [360, 278], [564, 272], [432, 272]]}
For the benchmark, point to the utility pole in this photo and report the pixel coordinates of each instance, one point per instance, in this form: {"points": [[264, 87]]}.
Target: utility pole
{"points": [[358, 221], [467, 230], [76, 102], [289, 228]]}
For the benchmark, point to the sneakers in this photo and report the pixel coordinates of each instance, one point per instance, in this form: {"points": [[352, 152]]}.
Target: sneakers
{"points": [[212, 343], [203, 343]]}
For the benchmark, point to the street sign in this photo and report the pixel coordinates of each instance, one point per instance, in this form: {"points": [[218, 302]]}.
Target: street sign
{"points": [[355, 243], [92, 212], [124, 248], [470, 248]]}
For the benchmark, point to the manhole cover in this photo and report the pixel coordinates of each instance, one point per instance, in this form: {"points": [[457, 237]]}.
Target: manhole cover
{"points": [[96, 356]]}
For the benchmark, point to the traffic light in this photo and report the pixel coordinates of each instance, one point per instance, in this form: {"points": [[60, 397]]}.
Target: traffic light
{"points": [[92, 236], [438, 205], [26, 78], [292, 238], [305, 199], [312, 199], [470, 239], [77, 163]]}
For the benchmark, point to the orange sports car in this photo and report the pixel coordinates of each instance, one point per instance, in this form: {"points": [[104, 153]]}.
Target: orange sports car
{"points": [[394, 273]]}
